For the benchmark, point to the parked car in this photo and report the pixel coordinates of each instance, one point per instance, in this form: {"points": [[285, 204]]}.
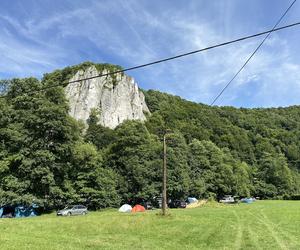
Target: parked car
{"points": [[177, 204], [147, 205], [227, 199], [157, 202], [73, 210]]}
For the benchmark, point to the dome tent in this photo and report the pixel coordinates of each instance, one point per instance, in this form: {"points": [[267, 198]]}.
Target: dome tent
{"points": [[17, 211], [138, 208], [192, 200], [125, 208]]}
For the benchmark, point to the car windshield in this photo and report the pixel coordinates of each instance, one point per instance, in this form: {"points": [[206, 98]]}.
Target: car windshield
{"points": [[68, 207]]}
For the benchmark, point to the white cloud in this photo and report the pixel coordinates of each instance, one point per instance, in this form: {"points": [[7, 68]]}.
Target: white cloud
{"points": [[132, 33]]}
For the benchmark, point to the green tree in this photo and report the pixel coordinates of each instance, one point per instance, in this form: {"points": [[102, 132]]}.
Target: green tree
{"points": [[178, 182], [214, 172], [37, 136], [95, 185], [273, 169], [98, 134], [135, 156]]}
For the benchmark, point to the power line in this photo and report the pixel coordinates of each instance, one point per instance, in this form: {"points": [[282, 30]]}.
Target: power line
{"points": [[188, 53], [254, 52], [163, 60]]}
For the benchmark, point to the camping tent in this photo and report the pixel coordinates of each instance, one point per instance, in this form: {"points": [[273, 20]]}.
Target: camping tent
{"points": [[247, 200], [192, 200], [9, 211], [138, 208], [21, 211], [125, 208]]}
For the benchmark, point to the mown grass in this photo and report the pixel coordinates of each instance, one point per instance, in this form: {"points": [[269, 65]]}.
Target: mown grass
{"points": [[261, 225]]}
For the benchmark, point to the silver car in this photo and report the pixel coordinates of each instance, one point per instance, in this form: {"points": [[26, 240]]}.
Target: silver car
{"points": [[73, 210], [227, 199]]}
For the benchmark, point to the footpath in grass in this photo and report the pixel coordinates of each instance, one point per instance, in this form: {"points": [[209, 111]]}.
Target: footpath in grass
{"points": [[261, 225]]}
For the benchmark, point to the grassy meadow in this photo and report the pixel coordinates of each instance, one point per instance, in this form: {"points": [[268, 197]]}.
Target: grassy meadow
{"points": [[261, 225]]}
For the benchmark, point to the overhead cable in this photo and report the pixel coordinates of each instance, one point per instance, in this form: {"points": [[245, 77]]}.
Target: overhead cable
{"points": [[164, 59], [253, 53]]}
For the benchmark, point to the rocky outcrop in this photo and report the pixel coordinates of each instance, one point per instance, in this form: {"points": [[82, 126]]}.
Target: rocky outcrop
{"points": [[116, 97]]}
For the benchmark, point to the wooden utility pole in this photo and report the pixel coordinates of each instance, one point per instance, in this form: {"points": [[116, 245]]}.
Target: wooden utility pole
{"points": [[164, 178]]}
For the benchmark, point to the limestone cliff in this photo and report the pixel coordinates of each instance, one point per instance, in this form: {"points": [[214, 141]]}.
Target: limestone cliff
{"points": [[117, 97]]}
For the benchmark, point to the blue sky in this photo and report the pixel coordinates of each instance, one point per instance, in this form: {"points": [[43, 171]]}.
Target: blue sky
{"points": [[38, 36]]}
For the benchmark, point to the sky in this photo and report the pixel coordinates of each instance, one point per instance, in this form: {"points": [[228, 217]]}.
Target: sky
{"points": [[39, 36]]}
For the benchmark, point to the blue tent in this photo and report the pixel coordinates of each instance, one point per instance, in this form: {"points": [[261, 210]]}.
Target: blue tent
{"points": [[7, 211], [21, 211], [18, 211], [247, 200]]}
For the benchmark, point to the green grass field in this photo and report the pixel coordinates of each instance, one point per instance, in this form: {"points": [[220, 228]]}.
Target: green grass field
{"points": [[261, 225]]}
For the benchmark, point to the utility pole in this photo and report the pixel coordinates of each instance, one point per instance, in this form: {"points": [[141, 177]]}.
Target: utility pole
{"points": [[164, 178]]}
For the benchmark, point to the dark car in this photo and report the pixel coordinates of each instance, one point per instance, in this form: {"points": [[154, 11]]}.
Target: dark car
{"points": [[177, 204], [147, 205], [157, 202]]}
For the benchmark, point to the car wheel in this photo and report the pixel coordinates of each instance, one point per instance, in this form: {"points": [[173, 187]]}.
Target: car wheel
{"points": [[83, 213], [69, 214]]}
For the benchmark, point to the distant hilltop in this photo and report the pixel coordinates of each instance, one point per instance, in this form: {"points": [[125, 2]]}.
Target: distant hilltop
{"points": [[116, 97]]}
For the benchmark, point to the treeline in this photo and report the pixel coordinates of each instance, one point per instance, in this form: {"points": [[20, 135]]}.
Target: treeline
{"points": [[49, 158]]}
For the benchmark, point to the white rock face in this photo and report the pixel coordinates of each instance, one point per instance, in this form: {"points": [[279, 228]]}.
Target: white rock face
{"points": [[118, 99]]}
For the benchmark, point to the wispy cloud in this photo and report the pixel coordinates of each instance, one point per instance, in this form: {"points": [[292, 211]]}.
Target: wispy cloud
{"points": [[134, 32]]}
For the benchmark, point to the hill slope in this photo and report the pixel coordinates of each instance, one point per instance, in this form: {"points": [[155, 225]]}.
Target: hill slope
{"points": [[48, 157]]}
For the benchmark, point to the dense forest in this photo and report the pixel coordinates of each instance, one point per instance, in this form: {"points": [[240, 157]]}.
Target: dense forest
{"points": [[51, 159]]}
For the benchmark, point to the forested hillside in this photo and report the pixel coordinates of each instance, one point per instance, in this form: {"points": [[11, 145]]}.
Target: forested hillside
{"points": [[49, 158], [263, 143]]}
